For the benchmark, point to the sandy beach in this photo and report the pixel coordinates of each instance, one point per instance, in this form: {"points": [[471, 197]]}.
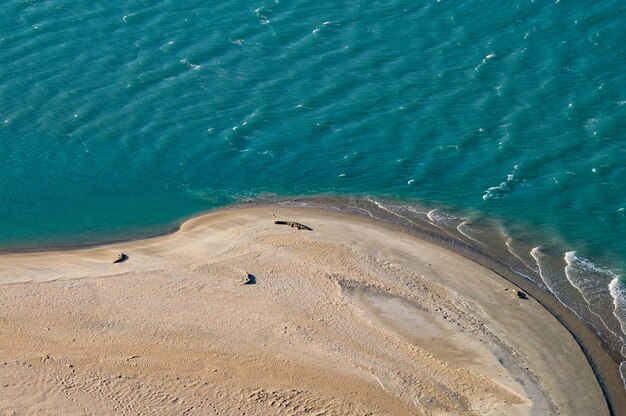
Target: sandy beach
{"points": [[351, 318]]}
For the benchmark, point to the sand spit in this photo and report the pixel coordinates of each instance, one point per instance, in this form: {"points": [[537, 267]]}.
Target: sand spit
{"points": [[350, 317]]}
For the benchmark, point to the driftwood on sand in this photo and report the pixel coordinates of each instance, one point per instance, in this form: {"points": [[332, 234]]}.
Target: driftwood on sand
{"points": [[294, 224]]}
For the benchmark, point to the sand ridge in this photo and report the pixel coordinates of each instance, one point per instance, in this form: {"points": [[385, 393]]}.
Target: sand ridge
{"points": [[350, 318]]}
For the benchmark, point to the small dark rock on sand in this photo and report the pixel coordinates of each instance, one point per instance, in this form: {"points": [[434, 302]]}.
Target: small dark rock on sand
{"points": [[121, 258], [250, 279], [521, 295]]}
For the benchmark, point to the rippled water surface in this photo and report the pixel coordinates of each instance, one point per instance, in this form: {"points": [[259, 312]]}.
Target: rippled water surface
{"points": [[119, 118]]}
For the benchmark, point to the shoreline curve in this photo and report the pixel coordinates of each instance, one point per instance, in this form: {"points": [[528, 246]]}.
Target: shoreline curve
{"points": [[599, 357]]}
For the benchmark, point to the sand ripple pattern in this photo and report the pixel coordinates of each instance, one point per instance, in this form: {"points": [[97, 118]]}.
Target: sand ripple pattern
{"points": [[342, 320]]}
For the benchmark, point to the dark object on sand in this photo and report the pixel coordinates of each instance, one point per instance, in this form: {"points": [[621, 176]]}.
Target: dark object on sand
{"points": [[521, 295], [121, 258], [250, 279], [294, 225]]}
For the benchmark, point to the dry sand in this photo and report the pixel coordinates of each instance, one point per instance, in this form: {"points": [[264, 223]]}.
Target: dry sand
{"points": [[350, 318]]}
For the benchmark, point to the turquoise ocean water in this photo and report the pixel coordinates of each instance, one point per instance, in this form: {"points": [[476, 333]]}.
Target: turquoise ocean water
{"points": [[120, 118]]}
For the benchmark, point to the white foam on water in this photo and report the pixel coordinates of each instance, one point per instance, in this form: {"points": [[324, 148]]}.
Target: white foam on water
{"points": [[509, 240], [538, 255], [515, 268], [429, 215], [617, 288], [379, 205], [500, 191], [384, 208], [190, 65], [415, 211], [622, 372], [463, 225], [496, 192], [484, 61], [591, 281], [437, 218], [441, 217]]}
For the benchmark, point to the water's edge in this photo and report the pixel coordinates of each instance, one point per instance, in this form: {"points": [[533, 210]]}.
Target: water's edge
{"points": [[603, 358], [458, 235]]}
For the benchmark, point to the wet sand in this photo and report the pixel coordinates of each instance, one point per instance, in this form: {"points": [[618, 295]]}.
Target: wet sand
{"points": [[354, 317]]}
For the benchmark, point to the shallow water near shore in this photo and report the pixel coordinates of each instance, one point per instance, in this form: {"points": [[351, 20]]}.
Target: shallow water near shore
{"points": [[501, 125]]}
